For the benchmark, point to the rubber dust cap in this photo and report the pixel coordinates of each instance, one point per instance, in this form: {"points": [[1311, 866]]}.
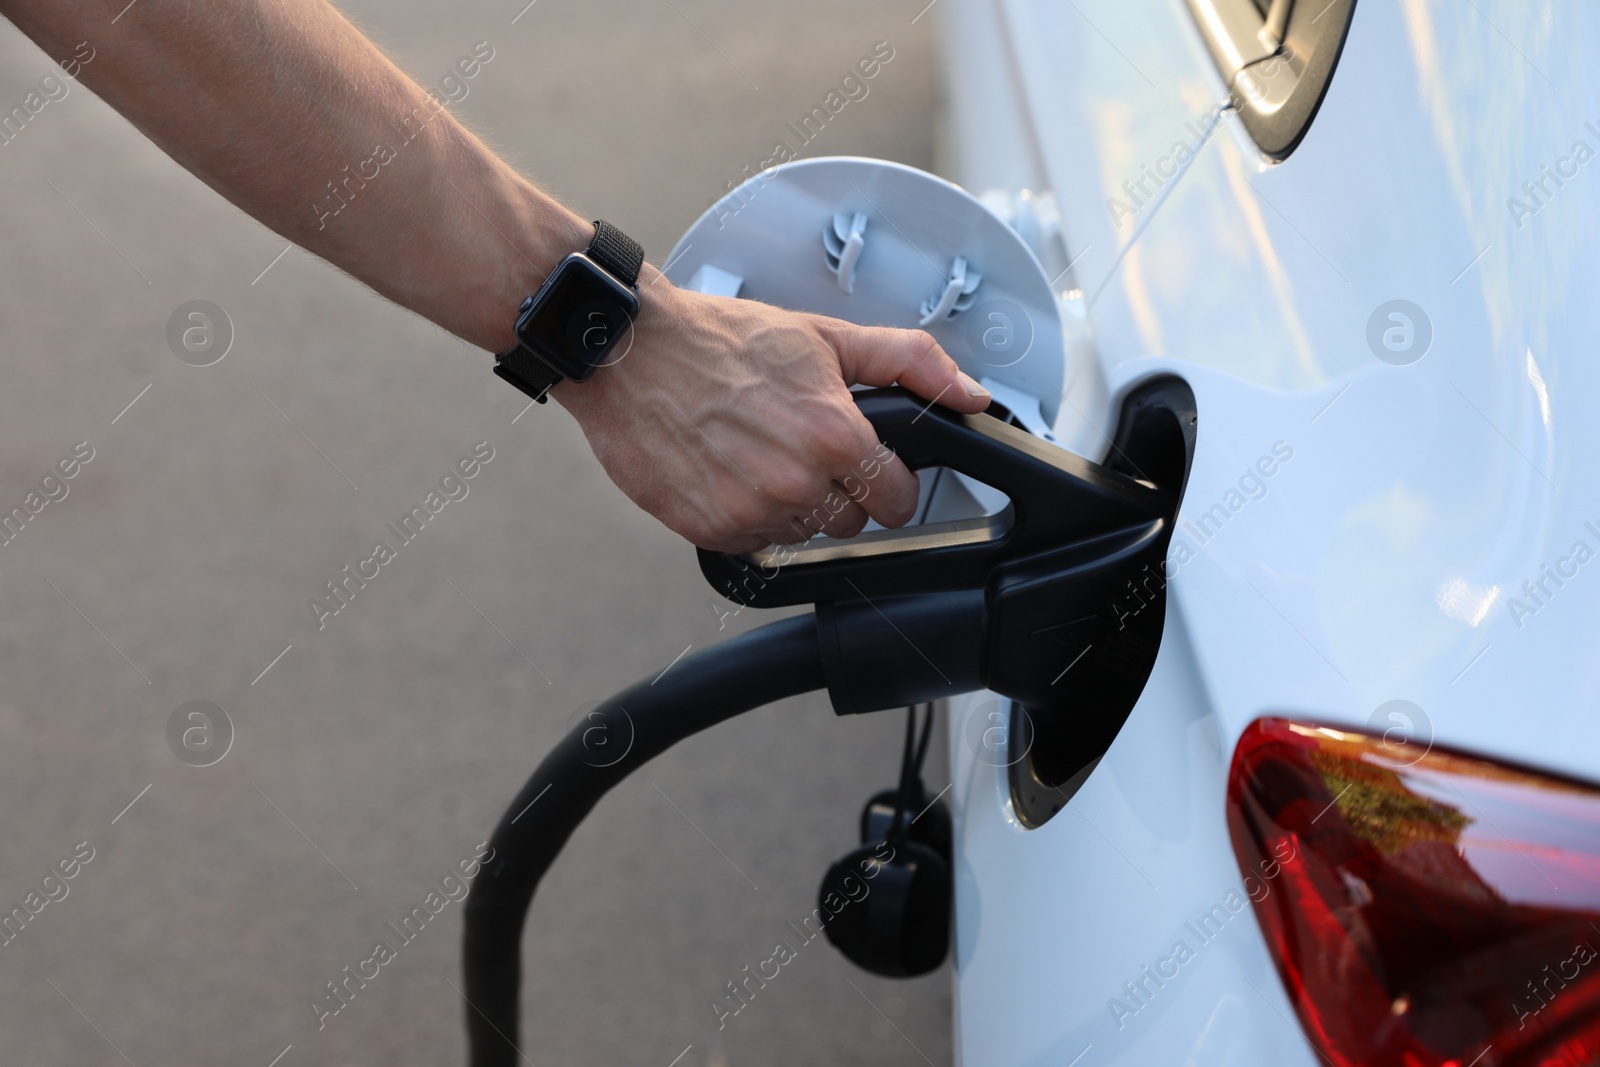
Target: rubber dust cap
{"points": [[889, 908]]}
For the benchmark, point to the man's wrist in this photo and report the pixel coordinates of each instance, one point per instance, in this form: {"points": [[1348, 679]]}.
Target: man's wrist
{"points": [[533, 346], [663, 310], [545, 233]]}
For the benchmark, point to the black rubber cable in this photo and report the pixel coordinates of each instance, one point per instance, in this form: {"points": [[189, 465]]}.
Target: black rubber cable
{"points": [[778, 660], [898, 826], [911, 771]]}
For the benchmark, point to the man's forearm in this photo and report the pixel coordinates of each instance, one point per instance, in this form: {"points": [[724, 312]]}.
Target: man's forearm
{"points": [[729, 420], [358, 164]]}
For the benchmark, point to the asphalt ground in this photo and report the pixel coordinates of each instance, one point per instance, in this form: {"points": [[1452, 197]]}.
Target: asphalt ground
{"points": [[370, 757]]}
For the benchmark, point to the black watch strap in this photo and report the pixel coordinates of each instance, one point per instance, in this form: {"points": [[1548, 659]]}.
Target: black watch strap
{"points": [[618, 253], [527, 372]]}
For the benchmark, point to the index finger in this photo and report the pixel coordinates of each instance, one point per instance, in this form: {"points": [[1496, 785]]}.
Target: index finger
{"points": [[877, 355], [879, 481]]}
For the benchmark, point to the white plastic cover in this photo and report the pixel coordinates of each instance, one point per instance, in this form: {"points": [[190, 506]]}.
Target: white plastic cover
{"points": [[777, 237]]}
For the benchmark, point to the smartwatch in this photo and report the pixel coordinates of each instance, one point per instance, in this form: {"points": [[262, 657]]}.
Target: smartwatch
{"points": [[585, 307]]}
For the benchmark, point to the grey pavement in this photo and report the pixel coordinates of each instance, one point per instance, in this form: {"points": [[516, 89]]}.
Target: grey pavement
{"points": [[372, 755]]}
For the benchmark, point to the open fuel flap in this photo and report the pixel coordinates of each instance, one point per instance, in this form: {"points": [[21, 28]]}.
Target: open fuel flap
{"points": [[1031, 570]]}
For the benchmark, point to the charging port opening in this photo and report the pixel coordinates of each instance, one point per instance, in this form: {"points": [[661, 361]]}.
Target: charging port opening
{"points": [[1111, 651]]}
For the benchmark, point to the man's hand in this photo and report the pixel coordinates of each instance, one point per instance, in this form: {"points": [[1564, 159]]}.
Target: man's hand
{"points": [[732, 421]]}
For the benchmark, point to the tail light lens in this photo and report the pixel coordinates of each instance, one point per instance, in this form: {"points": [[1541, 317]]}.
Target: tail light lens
{"points": [[1433, 911]]}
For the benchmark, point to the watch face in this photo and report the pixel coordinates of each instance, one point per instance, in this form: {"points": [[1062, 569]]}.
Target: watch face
{"points": [[578, 318]]}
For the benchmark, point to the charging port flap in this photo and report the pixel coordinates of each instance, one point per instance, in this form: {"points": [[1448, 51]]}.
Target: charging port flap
{"points": [[883, 244]]}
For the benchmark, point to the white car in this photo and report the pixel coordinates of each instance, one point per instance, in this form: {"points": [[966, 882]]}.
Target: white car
{"points": [[1378, 274]]}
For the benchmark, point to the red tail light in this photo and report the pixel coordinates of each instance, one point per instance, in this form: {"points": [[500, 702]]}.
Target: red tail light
{"points": [[1432, 912]]}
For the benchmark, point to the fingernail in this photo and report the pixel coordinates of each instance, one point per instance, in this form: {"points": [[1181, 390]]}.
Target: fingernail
{"points": [[972, 387]]}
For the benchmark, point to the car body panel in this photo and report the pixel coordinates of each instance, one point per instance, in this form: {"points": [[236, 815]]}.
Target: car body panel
{"points": [[1386, 557]]}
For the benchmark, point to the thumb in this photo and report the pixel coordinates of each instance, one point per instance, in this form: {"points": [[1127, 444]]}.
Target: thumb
{"points": [[875, 355]]}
